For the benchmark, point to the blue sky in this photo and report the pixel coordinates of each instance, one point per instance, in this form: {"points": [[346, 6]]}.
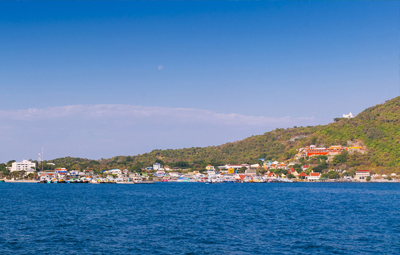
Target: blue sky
{"points": [[100, 79]]}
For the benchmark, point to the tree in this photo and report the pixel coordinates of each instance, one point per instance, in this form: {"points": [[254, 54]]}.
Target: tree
{"points": [[290, 176], [340, 158], [242, 169], [368, 178], [261, 171], [347, 174], [320, 168], [9, 163], [333, 175]]}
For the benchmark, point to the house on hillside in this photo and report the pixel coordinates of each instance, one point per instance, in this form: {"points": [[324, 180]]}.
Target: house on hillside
{"points": [[156, 166], [210, 167]]}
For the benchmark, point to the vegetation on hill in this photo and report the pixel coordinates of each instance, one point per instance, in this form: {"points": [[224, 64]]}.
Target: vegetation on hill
{"points": [[378, 128]]}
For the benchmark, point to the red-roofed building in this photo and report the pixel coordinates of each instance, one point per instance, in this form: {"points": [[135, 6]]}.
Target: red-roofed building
{"points": [[312, 150], [302, 175], [305, 167], [313, 176], [361, 175], [272, 175]]}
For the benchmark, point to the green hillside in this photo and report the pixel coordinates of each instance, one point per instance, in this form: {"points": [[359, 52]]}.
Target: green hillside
{"points": [[378, 128]]}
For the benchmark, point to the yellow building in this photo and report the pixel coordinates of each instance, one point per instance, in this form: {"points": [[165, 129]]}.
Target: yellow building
{"points": [[231, 170], [210, 167]]}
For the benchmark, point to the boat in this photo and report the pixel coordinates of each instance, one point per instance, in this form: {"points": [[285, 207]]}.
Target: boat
{"points": [[2, 181]]}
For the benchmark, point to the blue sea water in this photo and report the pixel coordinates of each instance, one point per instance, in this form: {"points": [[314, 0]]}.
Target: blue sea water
{"points": [[194, 218]]}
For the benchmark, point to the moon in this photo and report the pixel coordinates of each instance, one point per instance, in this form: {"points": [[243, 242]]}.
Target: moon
{"points": [[160, 67]]}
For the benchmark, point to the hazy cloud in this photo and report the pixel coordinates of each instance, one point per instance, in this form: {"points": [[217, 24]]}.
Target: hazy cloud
{"points": [[106, 130], [130, 114]]}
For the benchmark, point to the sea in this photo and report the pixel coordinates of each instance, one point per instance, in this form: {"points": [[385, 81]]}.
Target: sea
{"points": [[195, 218]]}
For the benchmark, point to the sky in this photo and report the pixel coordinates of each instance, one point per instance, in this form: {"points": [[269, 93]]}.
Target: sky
{"points": [[101, 79]]}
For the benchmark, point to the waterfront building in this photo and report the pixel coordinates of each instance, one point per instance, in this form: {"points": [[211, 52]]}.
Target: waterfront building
{"points": [[46, 175], [61, 173], [24, 165], [361, 175], [313, 176], [302, 175]]}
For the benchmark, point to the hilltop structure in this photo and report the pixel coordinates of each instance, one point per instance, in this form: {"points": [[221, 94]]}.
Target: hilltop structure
{"points": [[348, 116]]}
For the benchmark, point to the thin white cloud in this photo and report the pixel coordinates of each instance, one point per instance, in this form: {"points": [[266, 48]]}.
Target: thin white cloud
{"points": [[130, 113]]}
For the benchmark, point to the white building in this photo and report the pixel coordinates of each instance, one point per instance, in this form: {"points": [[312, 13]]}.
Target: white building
{"points": [[236, 167], [25, 165], [348, 116], [361, 175], [156, 166], [313, 176], [113, 171], [211, 172]]}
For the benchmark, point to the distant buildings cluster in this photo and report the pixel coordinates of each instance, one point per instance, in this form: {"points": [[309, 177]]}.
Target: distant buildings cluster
{"points": [[313, 150]]}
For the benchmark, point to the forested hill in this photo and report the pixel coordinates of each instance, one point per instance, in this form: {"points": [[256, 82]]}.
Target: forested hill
{"points": [[378, 127]]}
